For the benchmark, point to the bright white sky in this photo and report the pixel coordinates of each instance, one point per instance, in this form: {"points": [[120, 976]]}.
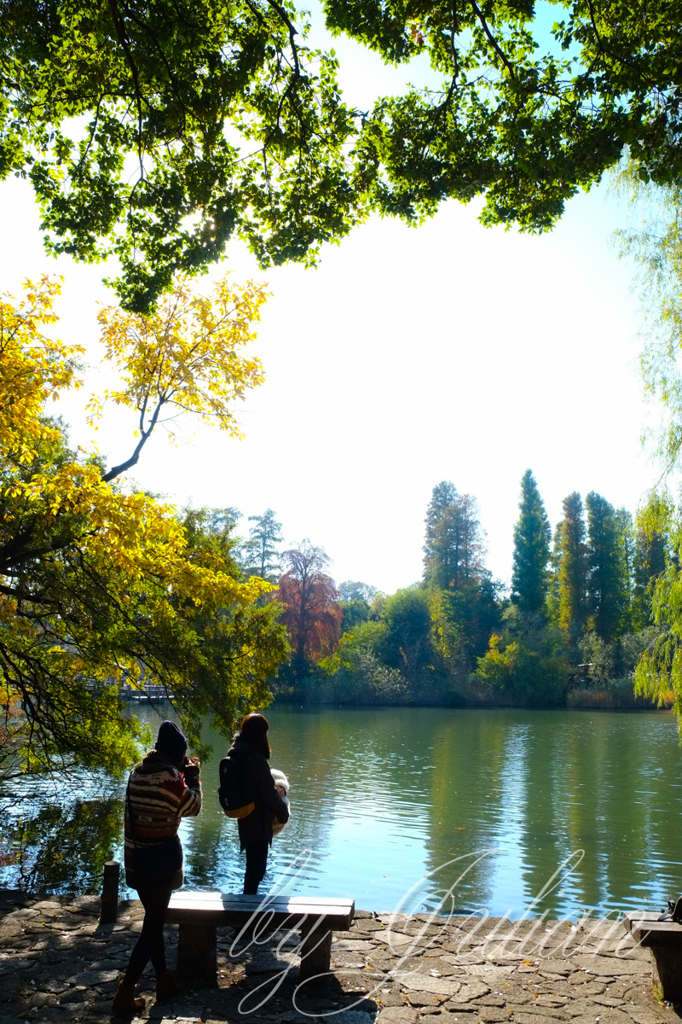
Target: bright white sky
{"points": [[407, 357]]}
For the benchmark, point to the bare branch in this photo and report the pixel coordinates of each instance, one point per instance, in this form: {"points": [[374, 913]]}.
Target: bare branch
{"points": [[132, 461]]}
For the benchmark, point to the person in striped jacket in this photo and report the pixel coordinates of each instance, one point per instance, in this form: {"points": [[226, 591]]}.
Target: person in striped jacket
{"points": [[162, 789]]}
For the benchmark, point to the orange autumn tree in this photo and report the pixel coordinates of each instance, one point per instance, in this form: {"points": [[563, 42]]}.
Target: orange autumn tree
{"points": [[310, 608], [99, 583]]}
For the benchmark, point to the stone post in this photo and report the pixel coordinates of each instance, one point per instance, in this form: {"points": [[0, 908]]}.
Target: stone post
{"points": [[109, 912]]}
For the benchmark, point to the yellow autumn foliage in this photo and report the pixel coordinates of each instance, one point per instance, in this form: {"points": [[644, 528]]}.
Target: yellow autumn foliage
{"points": [[97, 583], [185, 355], [33, 369]]}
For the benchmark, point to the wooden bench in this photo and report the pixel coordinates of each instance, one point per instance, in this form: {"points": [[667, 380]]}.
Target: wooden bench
{"points": [[664, 939], [199, 914]]}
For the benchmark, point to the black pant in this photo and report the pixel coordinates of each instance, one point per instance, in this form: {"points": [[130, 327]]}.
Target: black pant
{"points": [[256, 862], [150, 945]]}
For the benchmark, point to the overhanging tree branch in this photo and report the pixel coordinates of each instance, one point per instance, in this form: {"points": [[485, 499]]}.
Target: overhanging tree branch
{"points": [[119, 25], [491, 39]]}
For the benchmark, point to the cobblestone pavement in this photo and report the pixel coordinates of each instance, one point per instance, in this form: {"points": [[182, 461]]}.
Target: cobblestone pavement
{"points": [[58, 964]]}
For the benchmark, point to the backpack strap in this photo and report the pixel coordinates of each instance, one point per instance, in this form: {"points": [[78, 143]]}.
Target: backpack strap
{"points": [[131, 816]]}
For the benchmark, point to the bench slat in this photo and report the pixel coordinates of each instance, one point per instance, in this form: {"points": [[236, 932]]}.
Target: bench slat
{"points": [[646, 929], [294, 919], [255, 901], [215, 908], [311, 909]]}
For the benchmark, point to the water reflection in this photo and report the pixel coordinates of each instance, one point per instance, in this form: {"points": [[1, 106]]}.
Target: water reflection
{"points": [[488, 804], [547, 786], [62, 849]]}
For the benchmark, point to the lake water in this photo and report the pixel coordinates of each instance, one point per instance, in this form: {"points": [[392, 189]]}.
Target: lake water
{"points": [[508, 811]]}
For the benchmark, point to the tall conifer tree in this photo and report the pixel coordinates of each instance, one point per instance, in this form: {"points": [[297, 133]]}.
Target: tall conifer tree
{"points": [[573, 564], [649, 564], [443, 497], [607, 582], [454, 549], [626, 532], [531, 549], [260, 552], [454, 553]]}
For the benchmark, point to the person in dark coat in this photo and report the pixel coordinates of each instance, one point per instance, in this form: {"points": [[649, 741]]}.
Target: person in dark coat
{"points": [[248, 757]]}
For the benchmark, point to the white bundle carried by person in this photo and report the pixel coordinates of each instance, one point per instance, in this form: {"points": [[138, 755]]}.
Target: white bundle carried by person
{"points": [[282, 787]]}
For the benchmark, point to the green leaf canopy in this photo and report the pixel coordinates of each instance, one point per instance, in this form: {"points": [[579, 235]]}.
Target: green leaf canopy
{"points": [[155, 130]]}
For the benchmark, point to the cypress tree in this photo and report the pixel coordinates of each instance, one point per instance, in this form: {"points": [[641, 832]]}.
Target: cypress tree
{"points": [[455, 573], [456, 545], [650, 562], [607, 577], [443, 497], [573, 564], [531, 549], [626, 533]]}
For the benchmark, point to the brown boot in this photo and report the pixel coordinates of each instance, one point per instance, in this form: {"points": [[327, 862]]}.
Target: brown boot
{"points": [[167, 987], [125, 1001]]}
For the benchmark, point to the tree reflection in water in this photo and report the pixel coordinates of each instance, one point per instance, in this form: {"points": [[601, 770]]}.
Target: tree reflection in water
{"points": [[62, 849]]}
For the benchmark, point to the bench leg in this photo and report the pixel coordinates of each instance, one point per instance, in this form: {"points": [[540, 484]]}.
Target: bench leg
{"points": [[667, 975], [316, 951], [197, 954]]}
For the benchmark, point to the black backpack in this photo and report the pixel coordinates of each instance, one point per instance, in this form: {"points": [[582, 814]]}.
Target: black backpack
{"points": [[235, 793]]}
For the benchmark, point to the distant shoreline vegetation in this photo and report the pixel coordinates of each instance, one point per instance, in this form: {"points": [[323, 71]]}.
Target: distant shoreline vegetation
{"points": [[620, 696], [579, 627], [617, 695]]}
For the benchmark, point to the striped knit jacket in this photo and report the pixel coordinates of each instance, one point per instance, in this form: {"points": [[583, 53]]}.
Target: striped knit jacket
{"points": [[159, 797]]}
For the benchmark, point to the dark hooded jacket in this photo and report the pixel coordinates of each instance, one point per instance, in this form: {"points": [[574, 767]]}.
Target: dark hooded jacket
{"points": [[261, 790]]}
